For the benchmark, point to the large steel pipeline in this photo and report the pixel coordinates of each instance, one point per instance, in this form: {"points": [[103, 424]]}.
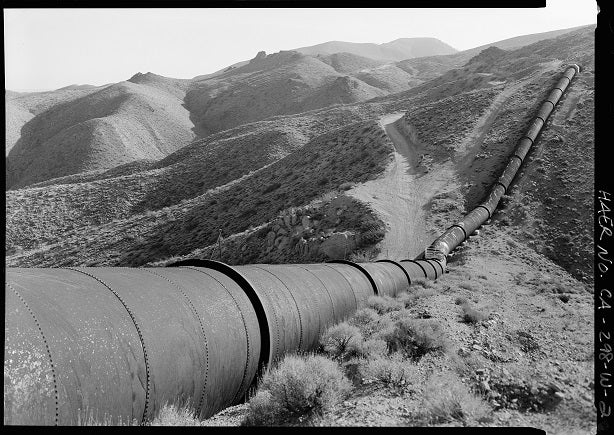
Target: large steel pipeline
{"points": [[116, 344], [458, 233]]}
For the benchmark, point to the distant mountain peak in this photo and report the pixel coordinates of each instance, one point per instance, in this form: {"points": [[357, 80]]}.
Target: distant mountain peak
{"points": [[140, 77], [399, 49], [261, 55]]}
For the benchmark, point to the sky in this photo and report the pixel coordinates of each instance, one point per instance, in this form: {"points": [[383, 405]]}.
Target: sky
{"points": [[50, 48]]}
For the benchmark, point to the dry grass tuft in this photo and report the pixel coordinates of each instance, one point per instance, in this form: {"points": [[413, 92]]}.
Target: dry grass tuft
{"points": [[447, 399], [471, 315], [384, 304], [416, 337], [393, 371], [172, 415]]}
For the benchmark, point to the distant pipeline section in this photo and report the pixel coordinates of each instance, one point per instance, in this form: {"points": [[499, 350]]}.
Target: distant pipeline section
{"points": [[459, 232], [116, 344]]}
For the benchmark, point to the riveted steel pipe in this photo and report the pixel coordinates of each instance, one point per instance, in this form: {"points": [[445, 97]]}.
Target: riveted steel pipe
{"points": [[414, 269], [122, 342], [361, 285], [343, 298], [523, 147], [389, 278], [452, 237]]}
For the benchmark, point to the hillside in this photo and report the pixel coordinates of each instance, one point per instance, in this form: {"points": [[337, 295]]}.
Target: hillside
{"points": [[365, 169], [278, 84], [398, 49], [21, 107], [313, 170], [112, 126], [430, 67], [454, 159], [82, 128]]}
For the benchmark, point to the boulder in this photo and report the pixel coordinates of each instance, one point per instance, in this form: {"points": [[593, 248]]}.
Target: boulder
{"points": [[270, 238]]}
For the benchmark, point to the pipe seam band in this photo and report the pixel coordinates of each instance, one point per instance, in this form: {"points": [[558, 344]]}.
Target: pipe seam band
{"points": [[247, 359], [346, 280], [140, 334], [462, 229], [518, 157], [548, 101], [55, 384], [527, 137], [332, 304], [362, 269], [437, 262], [485, 208], [202, 330], [298, 310], [434, 270], [502, 185], [419, 265], [397, 264]]}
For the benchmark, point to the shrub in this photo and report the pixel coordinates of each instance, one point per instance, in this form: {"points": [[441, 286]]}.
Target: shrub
{"points": [[391, 370], [171, 415], [467, 286], [527, 342], [447, 398], [366, 319], [406, 299], [416, 338], [367, 348], [460, 300], [338, 338], [384, 304], [410, 298], [271, 187], [471, 315], [298, 389], [422, 283]]}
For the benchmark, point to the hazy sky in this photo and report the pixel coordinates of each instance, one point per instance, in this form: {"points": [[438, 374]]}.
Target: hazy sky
{"points": [[52, 48]]}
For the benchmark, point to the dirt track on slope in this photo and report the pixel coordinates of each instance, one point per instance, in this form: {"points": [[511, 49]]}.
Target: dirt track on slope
{"points": [[399, 197]]}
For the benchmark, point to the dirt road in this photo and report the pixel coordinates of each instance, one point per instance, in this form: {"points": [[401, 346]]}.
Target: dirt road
{"points": [[398, 198]]}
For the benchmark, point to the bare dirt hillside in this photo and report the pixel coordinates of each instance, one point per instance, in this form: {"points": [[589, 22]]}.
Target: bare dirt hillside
{"points": [[278, 84], [21, 107], [429, 67], [116, 125]]}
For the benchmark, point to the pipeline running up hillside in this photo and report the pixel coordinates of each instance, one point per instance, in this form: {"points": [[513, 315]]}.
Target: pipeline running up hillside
{"points": [[457, 233], [115, 344]]}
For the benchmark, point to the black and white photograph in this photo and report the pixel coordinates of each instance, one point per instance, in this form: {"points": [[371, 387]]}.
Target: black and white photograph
{"points": [[306, 217]]}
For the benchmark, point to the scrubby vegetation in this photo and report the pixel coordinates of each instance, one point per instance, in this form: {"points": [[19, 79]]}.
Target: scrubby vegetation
{"points": [[503, 339], [180, 229], [297, 390]]}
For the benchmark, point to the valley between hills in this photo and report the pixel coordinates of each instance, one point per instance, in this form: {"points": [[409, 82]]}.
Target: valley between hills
{"points": [[345, 151]]}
